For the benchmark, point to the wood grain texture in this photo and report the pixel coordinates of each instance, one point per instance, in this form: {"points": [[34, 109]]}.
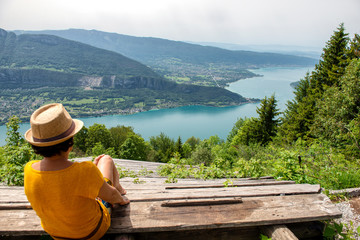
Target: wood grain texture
{"points": [[151, 217], [201, 202]]}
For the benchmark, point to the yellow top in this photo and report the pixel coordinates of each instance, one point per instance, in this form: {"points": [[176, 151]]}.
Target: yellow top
{"points": [[65, 199]]}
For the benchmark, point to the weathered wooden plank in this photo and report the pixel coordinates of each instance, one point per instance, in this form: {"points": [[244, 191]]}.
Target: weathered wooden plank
{"points": [[278, 232], [151, 217], [148, 216], [136, 195], [157, 183], [251, 191], [244, 184], [201, 202]]}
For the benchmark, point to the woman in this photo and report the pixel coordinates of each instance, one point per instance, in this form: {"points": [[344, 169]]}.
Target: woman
{"points": [[63, 193]]}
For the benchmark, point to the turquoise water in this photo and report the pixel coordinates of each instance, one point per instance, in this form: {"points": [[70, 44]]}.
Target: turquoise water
{"points": [[201, 121]]}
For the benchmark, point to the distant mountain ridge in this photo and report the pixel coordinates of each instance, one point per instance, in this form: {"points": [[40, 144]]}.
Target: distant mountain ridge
{"points": [[152, 51], [53, 61]]}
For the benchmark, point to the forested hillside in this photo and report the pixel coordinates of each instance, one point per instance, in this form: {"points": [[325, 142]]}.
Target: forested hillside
{"points": [[180, 61], [37, 69]]}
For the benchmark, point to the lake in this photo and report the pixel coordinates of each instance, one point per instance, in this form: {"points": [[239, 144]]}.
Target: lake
{"points": [[201, 121]]}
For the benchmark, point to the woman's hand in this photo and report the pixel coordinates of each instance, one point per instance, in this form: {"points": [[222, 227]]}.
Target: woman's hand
{"points": [[96, 160]]}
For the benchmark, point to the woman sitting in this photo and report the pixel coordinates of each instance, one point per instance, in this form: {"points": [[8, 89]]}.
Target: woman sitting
{"points": [[72, 199]]}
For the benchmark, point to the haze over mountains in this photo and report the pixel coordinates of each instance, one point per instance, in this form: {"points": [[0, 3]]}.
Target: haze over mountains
{"points": [[153, 51]]}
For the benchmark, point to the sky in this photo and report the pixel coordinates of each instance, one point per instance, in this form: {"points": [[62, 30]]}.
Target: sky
{"points": [[246, 22]]}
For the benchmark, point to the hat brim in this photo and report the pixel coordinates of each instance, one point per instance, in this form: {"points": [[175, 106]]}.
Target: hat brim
{"points": [[29, 137]]}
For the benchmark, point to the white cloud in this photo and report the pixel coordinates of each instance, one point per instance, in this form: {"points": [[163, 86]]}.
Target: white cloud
{"points": [[290, 22]]}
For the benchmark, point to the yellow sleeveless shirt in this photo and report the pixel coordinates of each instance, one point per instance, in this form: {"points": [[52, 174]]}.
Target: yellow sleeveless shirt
{"points": [[65, 199]]}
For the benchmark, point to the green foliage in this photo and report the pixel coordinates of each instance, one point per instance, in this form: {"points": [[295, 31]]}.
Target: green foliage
{"points": [[238, 124], [99, 149], [354, 51], [14, 155], [268, 121], [123, 172], [13, 136], [333, 61], [202, 154], [119, 134], [134, 147], [193, 142], [299, 116], [248, 133], [164, 146], [335, 230], [80, 140], [338, 112], [179, 147], [257, 130], [263, 237], [98, 133]]}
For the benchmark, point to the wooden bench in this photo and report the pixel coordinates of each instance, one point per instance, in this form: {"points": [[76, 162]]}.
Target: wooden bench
{"points": [[193, 209]]}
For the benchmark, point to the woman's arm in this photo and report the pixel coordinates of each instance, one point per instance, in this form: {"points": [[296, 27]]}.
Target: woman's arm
{"points": [[112, 195]]}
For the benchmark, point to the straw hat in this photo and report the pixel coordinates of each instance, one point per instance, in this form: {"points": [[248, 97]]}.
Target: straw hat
{"points": [[51, 124]]}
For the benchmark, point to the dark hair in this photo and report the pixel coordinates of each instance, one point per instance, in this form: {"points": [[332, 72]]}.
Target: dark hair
{"points": [[55, 149]]}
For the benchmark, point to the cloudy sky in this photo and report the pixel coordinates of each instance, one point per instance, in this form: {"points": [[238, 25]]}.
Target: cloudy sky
{"points": [[283, 22]]}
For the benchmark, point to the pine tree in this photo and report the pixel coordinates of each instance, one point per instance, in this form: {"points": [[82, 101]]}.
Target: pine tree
{"points": [[354, 51], [338, 114], [300, 113], [268, 121], [178, 147], [259, 130], [333, 61]]}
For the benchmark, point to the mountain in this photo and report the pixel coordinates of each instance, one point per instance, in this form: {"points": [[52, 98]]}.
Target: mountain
{"points": [[36, 69], [302, 51], [46, 60], [152, 51]]}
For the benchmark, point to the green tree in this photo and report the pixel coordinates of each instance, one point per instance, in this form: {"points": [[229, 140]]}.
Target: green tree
{"points": [[119, 134], [193, 142], [179, 147], [15, 155], [238, 124], [259, 130], [300, 113], [339, 109], [13, 136], [333, 61], [80, 140], [354, 51], [202, 154], [134, 148], [98, 133], [267, 120], [164, 146], [249, 133], [98, 149]]}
